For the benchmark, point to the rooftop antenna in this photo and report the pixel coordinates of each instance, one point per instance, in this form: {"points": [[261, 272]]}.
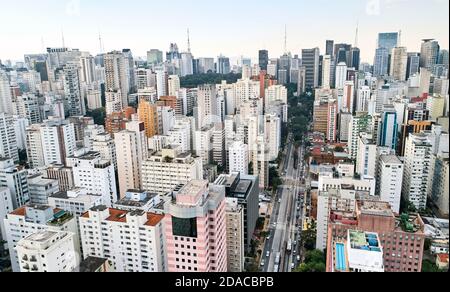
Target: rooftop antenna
{"points": [[357, 34], [63, 41], [100, 43], [400, 38], [42, 44], [189, 41], [285, 39]]}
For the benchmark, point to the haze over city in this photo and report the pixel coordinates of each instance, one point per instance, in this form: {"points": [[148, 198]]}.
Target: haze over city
{"points": [[234, 28], [232, 136]]}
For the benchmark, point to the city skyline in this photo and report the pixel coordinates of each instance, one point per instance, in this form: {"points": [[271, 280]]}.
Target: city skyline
{"points": [[79, 22]]}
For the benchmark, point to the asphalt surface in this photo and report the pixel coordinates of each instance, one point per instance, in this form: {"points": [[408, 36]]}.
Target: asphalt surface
{"points": [[286, 218]]}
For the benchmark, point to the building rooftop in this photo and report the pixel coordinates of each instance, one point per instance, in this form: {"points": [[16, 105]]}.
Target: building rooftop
{"points": [[375, 208], [92, 264], [41, 236], [390, 159], [364, 241]]}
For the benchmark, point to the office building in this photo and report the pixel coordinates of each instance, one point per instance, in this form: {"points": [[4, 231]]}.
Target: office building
{"points": [[195, 229], [244, 188], [310, 60]]}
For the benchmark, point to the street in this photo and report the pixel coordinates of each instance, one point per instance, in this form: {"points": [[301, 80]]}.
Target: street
{"points": [[283, 244]]}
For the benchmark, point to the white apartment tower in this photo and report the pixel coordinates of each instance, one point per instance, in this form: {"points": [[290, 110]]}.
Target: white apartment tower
{"points": [[16, 180], [391, 179], [238, 160], [162, 172], [48, 252], [418, 153], [8, 139], [95, 175], [58, 141], [31, 219], [6, 105], [272, 133], [132, 240]]}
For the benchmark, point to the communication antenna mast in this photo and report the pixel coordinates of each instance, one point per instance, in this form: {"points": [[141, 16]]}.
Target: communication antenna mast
{"points": [[357, 34], [63, 41], [100, 43], [285, 39], [189, 41], [400, 38]]}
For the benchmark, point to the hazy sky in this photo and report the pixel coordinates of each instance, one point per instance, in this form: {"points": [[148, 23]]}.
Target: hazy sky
{"points": [[230, 27]]}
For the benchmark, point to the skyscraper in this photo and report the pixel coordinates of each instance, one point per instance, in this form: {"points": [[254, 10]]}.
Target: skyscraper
{"points": [[342, 53], [413, 64], [8, 141], [341, 75], [223, 65], [388, 128], [117, 75], [429, 53], [154, 57], [263, 59], [6, 105], [72, 90], [355, 58], [329, 50], [310, 58], [399, 63], [381, 62], [326, 71], [388, 40]]}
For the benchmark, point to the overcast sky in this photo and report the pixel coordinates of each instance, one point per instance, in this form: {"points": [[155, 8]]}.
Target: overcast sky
{"points": [[230, 27]]}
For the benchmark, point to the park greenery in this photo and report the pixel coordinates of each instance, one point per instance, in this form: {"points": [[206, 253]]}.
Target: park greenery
{"points": [[300, 113], [315, 262], [193, 81]]}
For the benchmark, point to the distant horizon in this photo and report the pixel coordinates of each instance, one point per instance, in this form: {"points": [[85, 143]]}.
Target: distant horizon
{"points": [[215, 29]]}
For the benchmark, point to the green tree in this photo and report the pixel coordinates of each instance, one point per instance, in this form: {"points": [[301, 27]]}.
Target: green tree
{"points": [[193, 81], [274, 178], [315, 262], [99, 116], [430, 267]]}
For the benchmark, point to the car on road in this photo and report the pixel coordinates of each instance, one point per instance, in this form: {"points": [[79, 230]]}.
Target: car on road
{"points": [[268, 254], [292, 266], [263, 263], [268, 237], [279, 201], [298, 258]]}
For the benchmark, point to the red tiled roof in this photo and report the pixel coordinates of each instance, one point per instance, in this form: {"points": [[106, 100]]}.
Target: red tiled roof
{"points": [[153, 219], [117, 216], [443, 257], [19, 212]]}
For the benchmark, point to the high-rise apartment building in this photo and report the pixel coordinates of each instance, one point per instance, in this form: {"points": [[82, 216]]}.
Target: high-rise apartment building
{"points": [[48, 252], [30, 219], [195, 229], [102, 232], [417, 167], [162, 172]]}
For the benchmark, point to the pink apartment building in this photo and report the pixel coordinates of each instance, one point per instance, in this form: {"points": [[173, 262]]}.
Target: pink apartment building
{"points": [[195, 229]]}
